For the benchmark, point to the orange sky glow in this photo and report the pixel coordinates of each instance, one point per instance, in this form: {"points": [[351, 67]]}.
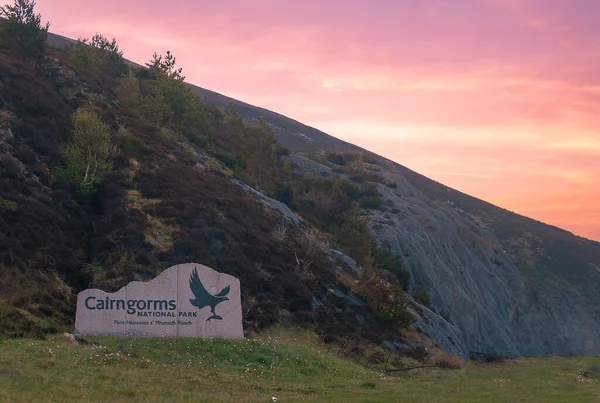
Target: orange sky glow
{"points": [[499, 99]]}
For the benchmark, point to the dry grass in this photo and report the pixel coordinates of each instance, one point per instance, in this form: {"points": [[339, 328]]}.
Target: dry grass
{"points": [[445, 360], [5, 118], [157, 232], [138, 202], [134, 167]]}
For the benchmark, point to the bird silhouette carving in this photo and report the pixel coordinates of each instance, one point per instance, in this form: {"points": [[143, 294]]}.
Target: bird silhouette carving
{"points": [[203, 298]]}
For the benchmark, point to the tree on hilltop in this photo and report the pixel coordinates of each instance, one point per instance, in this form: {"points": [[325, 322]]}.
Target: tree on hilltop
{"points": [[168, 83], [23, 28], [165, 66], [100, 55]]}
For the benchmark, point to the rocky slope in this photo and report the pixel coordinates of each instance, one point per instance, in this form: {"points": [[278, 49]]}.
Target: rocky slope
{"points": [[508, 284], [477, 278], [511, 284], [496, 290]]}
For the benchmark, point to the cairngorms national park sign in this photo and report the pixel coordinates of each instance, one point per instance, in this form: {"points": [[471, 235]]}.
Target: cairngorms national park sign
{"points": [[186, 300]]}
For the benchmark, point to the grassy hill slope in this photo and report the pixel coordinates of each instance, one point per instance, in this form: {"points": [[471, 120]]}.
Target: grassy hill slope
{"points": [[291, 368]]}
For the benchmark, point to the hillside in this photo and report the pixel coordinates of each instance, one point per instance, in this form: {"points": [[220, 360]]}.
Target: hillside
{"points": [[549, 271], [201, 182], [542, 276], [169, 198]]}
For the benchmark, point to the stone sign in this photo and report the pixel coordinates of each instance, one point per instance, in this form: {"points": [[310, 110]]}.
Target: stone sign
{"points": [[186, 300]]}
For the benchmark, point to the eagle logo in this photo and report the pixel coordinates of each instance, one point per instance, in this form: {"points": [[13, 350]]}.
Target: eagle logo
{"points": [[203, 298]]}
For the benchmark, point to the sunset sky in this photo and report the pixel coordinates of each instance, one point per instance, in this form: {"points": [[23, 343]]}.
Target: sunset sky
{"points": [[497, 98]]}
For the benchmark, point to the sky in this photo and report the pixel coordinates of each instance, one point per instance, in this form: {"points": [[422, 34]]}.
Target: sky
{"points": [[499, 99]]}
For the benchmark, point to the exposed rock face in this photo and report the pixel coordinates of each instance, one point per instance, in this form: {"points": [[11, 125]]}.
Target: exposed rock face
{"points": [[483, 302], [494, 291], [473, 282], [270, 203]]}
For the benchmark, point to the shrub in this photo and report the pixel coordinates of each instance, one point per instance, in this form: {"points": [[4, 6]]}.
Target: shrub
{"points": [[8, 205], [190, 150], [351, 156], [213, 164], [351, 189], [285, 194], [354, 237], [357, 177], [226, 158], [282, 151], [422, 296], [370, 190], [130, 144], [386, 300], [386, 260], [445, 360], [370, 197], [5, 118], [371, 202], [374, 177], [168, 134], [308, 247], [95, 272], [370, 158], [336, 158], [23, 28]]}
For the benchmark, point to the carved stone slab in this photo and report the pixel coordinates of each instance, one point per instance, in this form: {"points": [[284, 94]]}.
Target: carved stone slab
{"points": [[186, 300]]}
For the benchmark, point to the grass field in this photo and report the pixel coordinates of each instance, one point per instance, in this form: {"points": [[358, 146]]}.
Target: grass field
{"points": [[294, 369]]}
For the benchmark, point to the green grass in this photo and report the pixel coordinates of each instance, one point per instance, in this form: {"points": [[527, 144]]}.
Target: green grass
{"points": [[295, 369]]}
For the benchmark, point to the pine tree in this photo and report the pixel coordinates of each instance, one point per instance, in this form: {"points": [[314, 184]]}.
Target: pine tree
{"points": [[100, 55], [24, 30]]}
